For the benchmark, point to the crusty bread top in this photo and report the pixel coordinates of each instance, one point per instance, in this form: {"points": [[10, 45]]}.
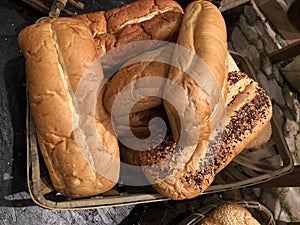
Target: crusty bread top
{"points": [[203, 32], [58, 53], [137, 21], [95, 21], [137, 12], [55, 42], [229, 214], [209, 39]]}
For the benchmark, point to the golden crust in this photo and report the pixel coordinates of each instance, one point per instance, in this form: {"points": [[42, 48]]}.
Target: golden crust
{"points": [[229, 214], [138, 12], [203, 32], [262, 138], [95, 21], [58, 52]]}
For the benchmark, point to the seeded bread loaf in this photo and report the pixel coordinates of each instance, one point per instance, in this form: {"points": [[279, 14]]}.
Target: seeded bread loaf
{"points": [[178, 177], [229, 214]]}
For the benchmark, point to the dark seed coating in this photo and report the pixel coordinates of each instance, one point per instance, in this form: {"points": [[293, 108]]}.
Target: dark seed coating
{"points": [[239, 127], [221, 149], [235, 76]]}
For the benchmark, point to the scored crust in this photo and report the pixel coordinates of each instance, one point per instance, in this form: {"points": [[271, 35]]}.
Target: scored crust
{"points": [[138, 12], [137, 21], [58, 52]]}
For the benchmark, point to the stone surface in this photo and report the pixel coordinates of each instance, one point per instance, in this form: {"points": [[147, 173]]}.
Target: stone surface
{"points": [[278, 114], [297, 156], [292, 127], [259, 45], [248, 31], [239, 41], [253, 56], [260, 28], [263, 81], [291, 100], [251, 15], [277, 75], [266, 65], [269, 44], [290, 140], [276, 93]]}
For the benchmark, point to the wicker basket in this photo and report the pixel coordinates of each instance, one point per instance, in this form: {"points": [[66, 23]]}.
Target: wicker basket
{"points": [[243, 171], [262, 214]]}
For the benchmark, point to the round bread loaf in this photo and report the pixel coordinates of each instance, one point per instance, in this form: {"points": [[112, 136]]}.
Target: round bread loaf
{"points": [[229, 214]]}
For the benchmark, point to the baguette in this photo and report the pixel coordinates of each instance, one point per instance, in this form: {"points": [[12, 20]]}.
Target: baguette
{"points": [[203, 32], [58, 53]]}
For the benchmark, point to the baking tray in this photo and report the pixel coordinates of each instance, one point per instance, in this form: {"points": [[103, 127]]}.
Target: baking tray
{"points": [[244, 171]]}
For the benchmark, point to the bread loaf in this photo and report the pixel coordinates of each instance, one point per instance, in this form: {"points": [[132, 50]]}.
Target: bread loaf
{"points": [[58, 53], [203, 32], [246, 115], [262, 138], [229, 214], [233, 90], [137, 12], [137, 21]]}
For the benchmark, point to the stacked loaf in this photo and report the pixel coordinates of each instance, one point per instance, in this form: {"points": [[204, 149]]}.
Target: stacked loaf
{"points": [[76, 132], [59, 52]]}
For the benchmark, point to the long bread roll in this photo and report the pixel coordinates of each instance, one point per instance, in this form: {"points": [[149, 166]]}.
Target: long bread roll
{"points": [[58, 53], [203, 32]]}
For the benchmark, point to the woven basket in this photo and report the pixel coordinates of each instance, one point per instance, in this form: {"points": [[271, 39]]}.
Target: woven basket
{"points": [[245, 170], [261, 213]]}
